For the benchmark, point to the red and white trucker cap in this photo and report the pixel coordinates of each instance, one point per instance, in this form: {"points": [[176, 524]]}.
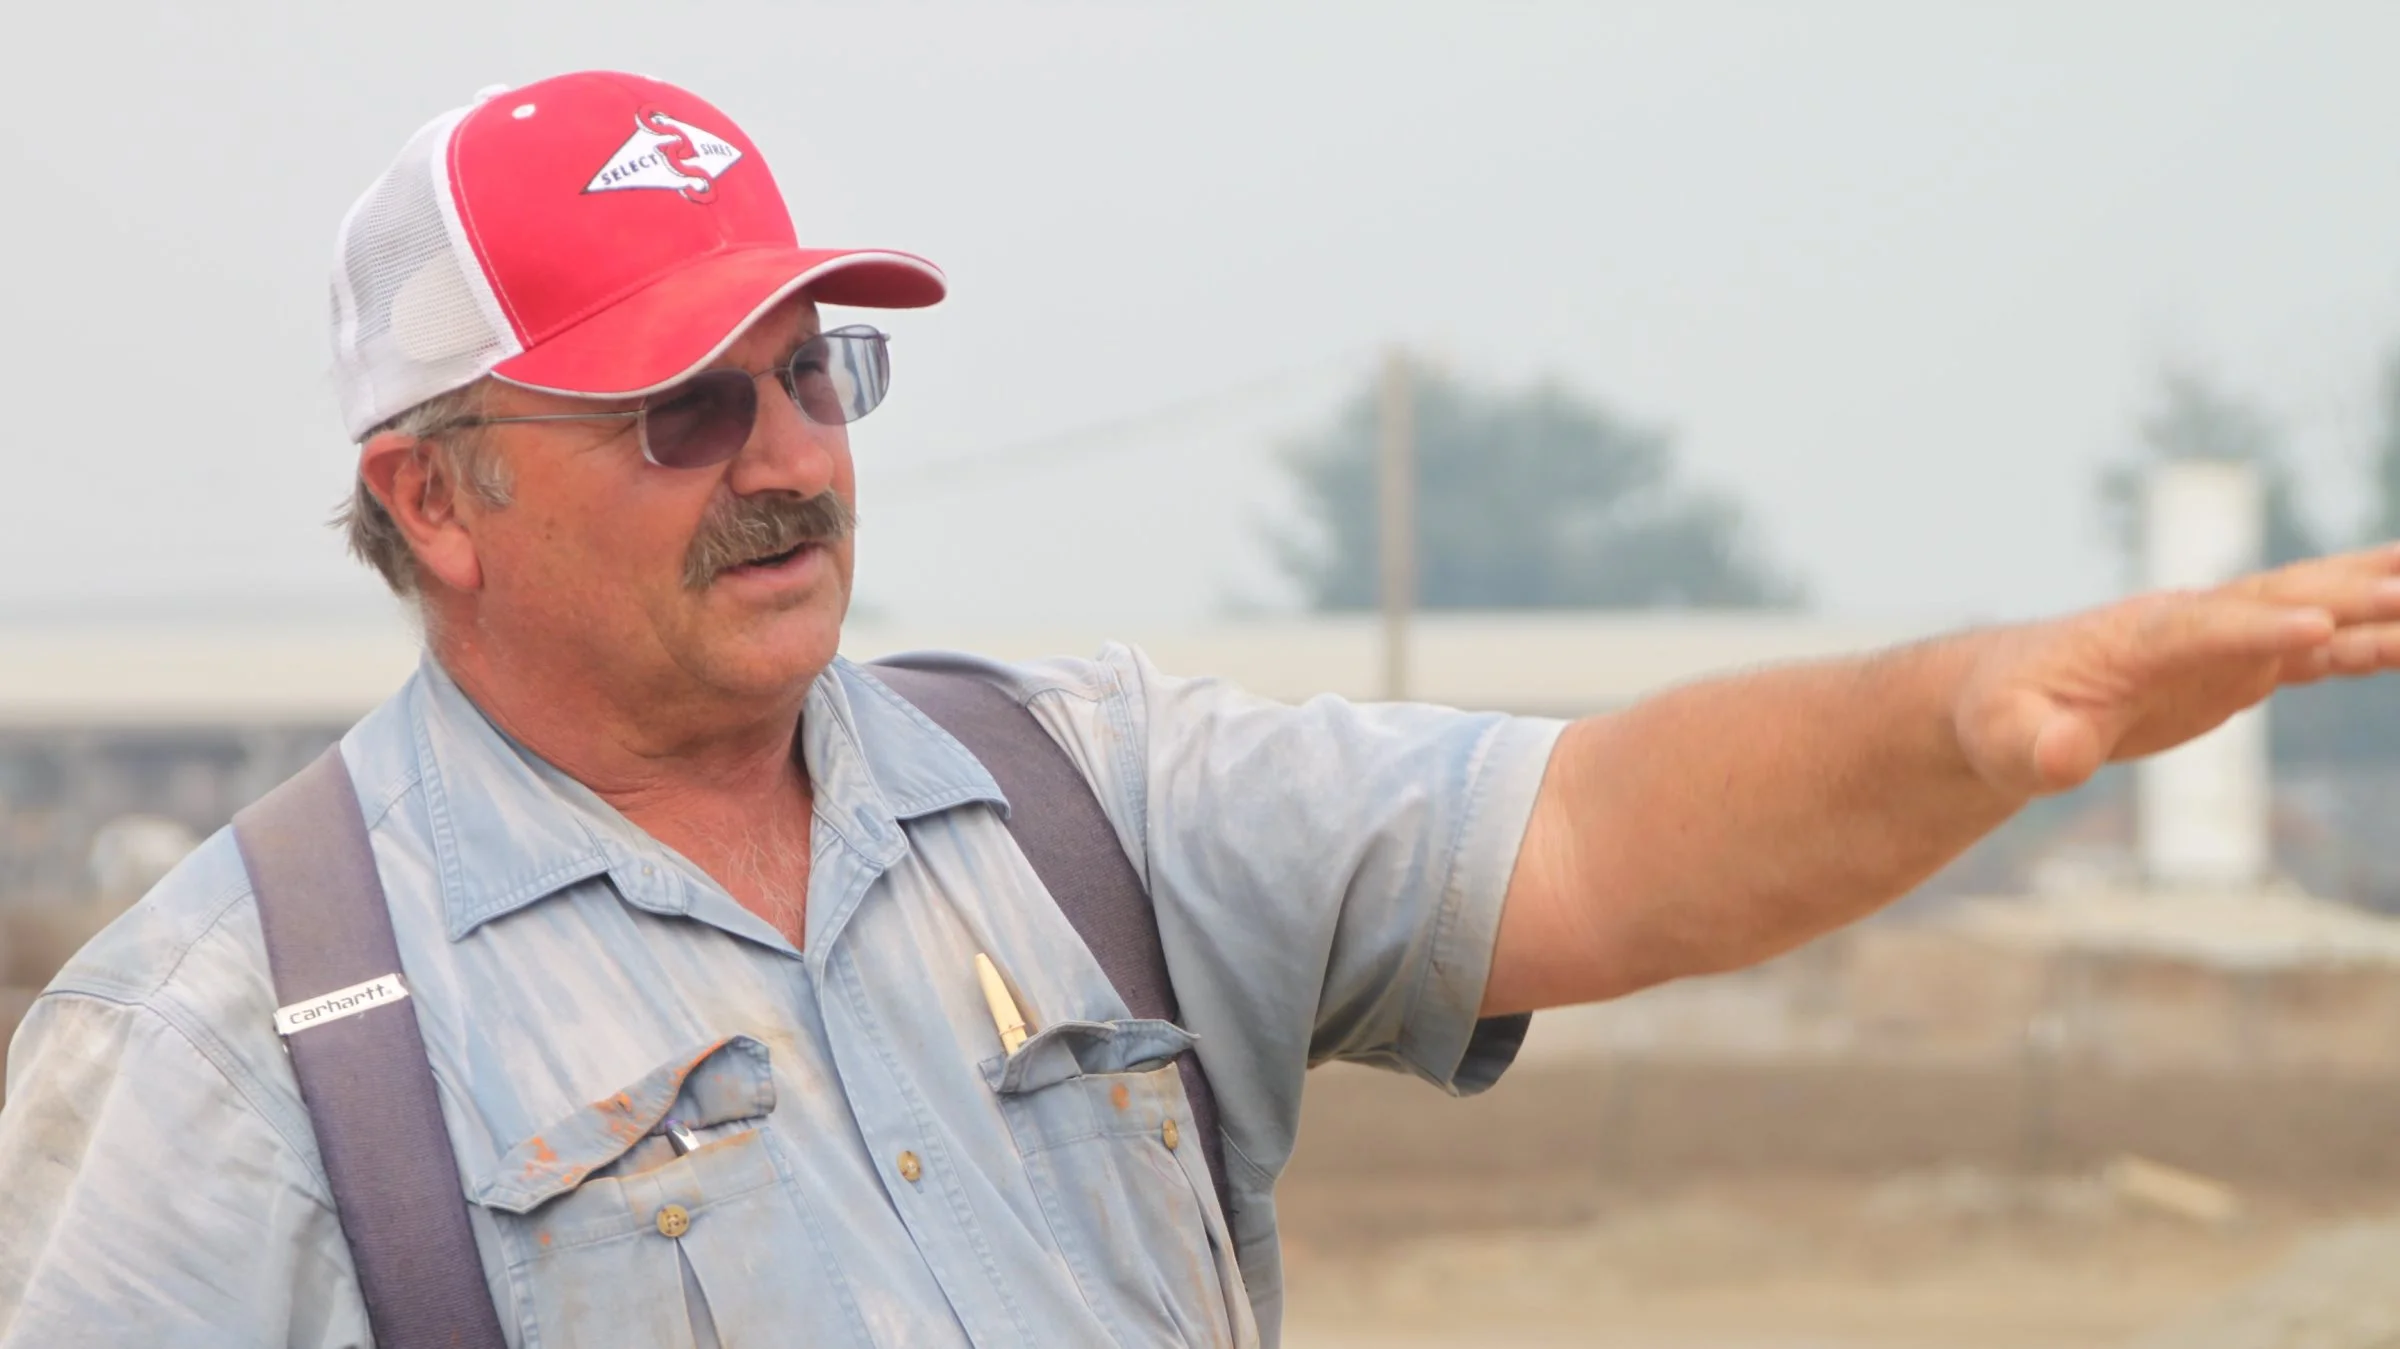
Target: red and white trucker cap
{"points": [[594, 234]]}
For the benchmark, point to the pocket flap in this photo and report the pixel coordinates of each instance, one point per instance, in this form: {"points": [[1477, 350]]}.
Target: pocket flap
{"points": [[714, 1083], [1075, 1048]]}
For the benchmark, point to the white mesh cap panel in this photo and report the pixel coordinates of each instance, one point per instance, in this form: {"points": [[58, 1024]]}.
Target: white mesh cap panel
{"points": [[412, 314]]}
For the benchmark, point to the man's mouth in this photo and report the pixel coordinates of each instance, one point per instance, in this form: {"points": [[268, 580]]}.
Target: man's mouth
{"points": [[771, 560]]}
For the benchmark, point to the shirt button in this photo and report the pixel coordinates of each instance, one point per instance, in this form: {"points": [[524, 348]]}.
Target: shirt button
{"points": [[910, 1168], [1170, 1135], [673, 1221]]}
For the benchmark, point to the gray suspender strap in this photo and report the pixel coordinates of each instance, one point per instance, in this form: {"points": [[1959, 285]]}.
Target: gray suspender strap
{"points": [[361, 1062], [1061, 828]]}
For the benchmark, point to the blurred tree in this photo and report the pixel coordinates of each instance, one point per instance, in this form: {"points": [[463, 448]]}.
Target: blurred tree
{"points": [[1525, 500], [2196, 420]]}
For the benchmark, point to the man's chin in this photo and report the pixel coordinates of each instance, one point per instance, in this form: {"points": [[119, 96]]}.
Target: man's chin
{"points": [[770, 655]]}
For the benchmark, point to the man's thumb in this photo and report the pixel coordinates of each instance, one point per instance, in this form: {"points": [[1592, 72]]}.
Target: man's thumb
{"points": [[2067, 749]]}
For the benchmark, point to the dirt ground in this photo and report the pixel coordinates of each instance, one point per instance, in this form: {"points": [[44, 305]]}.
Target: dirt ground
{"points": [[1571, 1213], [1962, 1259]]}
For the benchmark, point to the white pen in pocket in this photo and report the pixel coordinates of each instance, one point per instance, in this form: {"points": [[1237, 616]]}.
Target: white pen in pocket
{"points": [[1005, 1017]]}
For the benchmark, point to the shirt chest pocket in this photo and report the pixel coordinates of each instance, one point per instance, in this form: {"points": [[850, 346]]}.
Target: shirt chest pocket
{"points": [[660, 1215], [1098, 1112]]}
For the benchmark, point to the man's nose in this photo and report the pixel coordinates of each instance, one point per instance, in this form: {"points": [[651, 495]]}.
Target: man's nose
{"points": [[786, 451]]}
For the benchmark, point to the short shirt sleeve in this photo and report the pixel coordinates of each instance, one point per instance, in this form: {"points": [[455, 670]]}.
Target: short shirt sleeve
{"points": [[148, 1203], [1328, 877]]}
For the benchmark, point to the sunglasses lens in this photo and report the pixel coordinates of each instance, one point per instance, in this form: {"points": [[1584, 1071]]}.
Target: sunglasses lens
{"points": [[705, 421], [841, 376]]}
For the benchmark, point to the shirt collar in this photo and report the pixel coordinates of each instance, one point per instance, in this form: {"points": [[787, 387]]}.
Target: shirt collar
{"points": [[867, 746], [510, 829]]}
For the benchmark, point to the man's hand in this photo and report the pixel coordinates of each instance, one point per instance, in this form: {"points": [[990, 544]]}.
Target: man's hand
{"points": [[2044, 706], [1718, 824]]}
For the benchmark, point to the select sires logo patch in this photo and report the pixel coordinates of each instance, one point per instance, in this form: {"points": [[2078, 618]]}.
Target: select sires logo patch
{"points": [[340, 1003], [669, 155]]}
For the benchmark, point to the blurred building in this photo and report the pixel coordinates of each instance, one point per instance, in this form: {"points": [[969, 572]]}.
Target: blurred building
{"points": [[180, 724], [184, 724]]}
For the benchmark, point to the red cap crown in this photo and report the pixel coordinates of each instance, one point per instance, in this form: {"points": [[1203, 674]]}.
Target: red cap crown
{"points": [[596, 233]]}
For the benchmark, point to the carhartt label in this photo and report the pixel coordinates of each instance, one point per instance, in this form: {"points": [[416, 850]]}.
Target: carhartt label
{"points": [[339, 1003]]}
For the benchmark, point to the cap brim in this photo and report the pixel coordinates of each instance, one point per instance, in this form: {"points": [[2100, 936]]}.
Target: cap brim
{"points": [[671, 329]]}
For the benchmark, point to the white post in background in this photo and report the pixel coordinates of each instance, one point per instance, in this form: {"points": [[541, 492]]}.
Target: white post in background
{"points": [[2201, 810]]}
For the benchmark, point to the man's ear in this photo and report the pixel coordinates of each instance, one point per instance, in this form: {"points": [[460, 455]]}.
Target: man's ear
{"points": [[413, 480]]}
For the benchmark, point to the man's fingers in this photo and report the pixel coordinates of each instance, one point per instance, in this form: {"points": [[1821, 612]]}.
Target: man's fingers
{"points": [[2182, 630], [2306, 667], [2366, 649], [2375, 600], [2360, 587]]}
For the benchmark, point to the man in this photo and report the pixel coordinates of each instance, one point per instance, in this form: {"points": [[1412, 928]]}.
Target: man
{"points": [[647, 840]]}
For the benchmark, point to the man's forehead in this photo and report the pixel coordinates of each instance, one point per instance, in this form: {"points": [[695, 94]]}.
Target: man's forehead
{"points": [[777, 333]]}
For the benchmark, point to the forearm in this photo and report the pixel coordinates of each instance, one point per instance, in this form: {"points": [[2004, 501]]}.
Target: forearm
{"points": [[1722, 823]]}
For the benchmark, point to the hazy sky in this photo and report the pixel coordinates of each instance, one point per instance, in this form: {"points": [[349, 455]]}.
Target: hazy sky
{"points": [[1901, 275]]}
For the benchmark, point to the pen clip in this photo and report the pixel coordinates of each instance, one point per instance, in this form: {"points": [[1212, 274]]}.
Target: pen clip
{"points": [[680, 1138]]}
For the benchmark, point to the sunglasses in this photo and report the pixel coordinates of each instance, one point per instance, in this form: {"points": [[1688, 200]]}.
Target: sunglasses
{"points": [[834, 378]]}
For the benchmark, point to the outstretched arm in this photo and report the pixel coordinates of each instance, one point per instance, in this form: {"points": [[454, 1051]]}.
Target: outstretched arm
{"points": [[1722, 823]]}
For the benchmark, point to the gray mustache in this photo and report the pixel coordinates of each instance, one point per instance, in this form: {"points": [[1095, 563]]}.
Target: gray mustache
{"points": [[739, 529]]}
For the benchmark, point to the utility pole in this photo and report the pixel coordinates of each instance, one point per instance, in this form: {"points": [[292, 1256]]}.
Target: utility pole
{"points": [[1396, 516]]}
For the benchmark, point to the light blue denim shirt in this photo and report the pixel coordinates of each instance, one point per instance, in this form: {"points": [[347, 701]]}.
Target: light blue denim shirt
{"points": [[871, 1170]]}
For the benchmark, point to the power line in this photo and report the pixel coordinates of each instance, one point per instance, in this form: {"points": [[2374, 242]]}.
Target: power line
{"points": [[1116, 435]]}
